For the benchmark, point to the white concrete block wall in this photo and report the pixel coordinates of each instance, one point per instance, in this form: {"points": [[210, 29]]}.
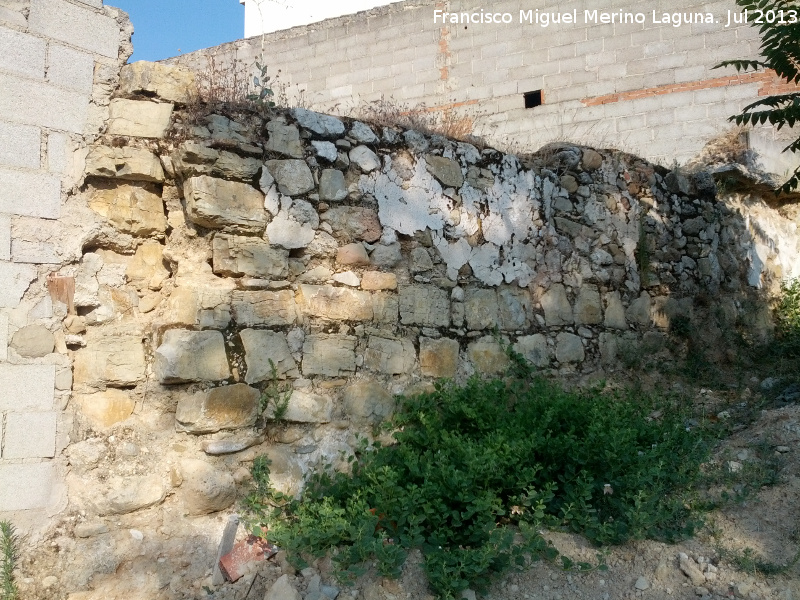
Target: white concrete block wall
{"points": [[48, 58]]}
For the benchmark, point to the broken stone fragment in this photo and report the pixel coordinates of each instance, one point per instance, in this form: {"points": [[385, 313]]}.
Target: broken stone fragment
{"points": [[361, 132], [227, 407], [377, 280], [135, 164], [332, 186], [284, 139], [364, 158], [235, 255], [146, 270], [191, 356]]}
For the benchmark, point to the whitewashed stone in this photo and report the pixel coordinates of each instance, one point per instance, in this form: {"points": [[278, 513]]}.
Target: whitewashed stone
{"points": [[329, 354], [392, 357], [485, 263], [264, 349], [295, 224], [191, 356], [228, 407]]}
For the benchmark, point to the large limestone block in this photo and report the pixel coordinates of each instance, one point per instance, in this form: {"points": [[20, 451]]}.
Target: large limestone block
{"points": [[481, 308], [228, 407], [205, 489], [292, 176], [134, 209], [588, 309], [335, 303], [556, 306], [376, 280], [488, 356], [191, 356], [170, 83], [615, 312], [329, 354], [368, 400], [109, 360], [135, 164], [233, 166], [217, 203], [446, 170], [271, 309], [354, 223], [33, 341], [322, 125], [284, 139], [264, 349], [235, 255], [534, 349], [569, 348], [385, 308], [147, 270], [139, 118], [125, 495], [200, 302], [304, 407], [425, 305], [514, 308], [392, 357], [332, 186], [438, 357], [106, 408], [639, 310]]}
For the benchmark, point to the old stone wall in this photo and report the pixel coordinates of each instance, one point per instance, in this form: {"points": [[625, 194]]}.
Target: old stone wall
{"points": [[647, 88]]}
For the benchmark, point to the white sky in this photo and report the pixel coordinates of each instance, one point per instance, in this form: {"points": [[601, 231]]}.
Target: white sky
{"points": [[265, 16]]}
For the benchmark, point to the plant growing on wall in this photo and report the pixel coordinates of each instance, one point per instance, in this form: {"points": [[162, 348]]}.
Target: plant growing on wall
{"points": [[9, 554], [778, 22]]}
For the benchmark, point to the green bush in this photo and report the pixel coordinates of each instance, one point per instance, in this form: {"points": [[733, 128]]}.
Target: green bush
{"points": [[787, 316], [478, 470]]}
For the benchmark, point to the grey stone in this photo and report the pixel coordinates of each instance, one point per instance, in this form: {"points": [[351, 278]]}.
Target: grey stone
{"points": [[614, 313], [326, 150], [481, 309], [569, 183], [322, 125], [293, 176], [438, 357], [235, 256], [368, 400], [446, 170], [33, 341], [233, 166], [425, 305], [386, 256], [332, 186], [329, 354], [284, 139], [588, 310], [282, 589], [131, 493], [416, 141], [392, 357], [265, 308], [264, 349], [191, 356], [364, 158], [642, 583], [217, 203], [487, 356], [556, 306], [335, 303], [420, 260], [569, 348], [639, 310], [677, 183], [209, 411], [354, 223], [362, 133], [534, 349], [693, 226], [514, 308], [205, 489]]}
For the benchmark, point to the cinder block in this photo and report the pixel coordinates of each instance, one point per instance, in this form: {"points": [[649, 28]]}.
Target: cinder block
{"points": [[509, 61], [662, 117], [27, 387], [30, 435], [30, 193], [632, 122], [22, 53], [57, 145], [75, 25], [3, 346], [11, 16], [20, 145], [559, 52], [39, 253], [660, 48], [37, 103], [694, 73], [70, 68], [25, 487], [671, 61]]}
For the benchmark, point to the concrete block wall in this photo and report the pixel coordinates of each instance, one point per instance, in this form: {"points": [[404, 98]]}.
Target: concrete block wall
{"points": [[52, 53], [647, 88]]}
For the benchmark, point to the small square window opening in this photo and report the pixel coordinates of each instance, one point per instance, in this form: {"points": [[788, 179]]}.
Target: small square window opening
{"points": [[533, 99]]}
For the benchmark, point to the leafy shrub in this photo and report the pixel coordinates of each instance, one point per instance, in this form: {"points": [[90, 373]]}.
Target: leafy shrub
{"points": [[475, 466], [787, 316]]}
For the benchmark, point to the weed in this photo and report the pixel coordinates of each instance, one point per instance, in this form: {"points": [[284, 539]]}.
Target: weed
{"points": [[275, 396], [750, 561], [264, 94], [477, 470], [726, 483], [9, 554]]}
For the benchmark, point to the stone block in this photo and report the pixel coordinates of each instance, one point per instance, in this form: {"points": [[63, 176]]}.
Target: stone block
{"points": [[146, 270], [352, 254], [168, 82], [191, 356], [304, 407], [556, 306], [27, 387], [446, 170], [354, 223], [235, 255], [322, 125], [292, 176], [20, 145], [22, 53], [588, 309], [75, 25], [33, 341], [391, 357], [376, 280], [534, 349], [59, 152], [514, 308], [54, 107], [107, 408], [30, 194], [332, 186], [109, 360], [364, 158], [368, 400], [26, 486], [284, 139], [70, 69], [614, 313], [205, 489], [264, 349], [329, 354], [30, 435], [638, 311], [569, 348], [438, 357], [125, 495], [138, 118], [385, 308], [481, 308], [134, 209], [335, 303], [217, 203], [204, 303], [227, 407], [135, 164], [270, 309], [5, 237], [425, 305], [487, 356]]}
